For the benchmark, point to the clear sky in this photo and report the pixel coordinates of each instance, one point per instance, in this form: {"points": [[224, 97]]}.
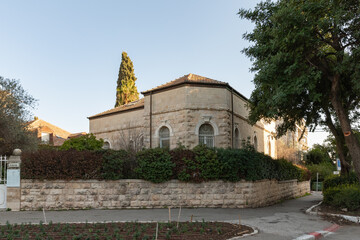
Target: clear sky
{"points": [[67, 53]]}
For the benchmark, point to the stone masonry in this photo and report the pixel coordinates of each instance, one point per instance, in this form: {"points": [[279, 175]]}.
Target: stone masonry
{"points": [[133, 193]]}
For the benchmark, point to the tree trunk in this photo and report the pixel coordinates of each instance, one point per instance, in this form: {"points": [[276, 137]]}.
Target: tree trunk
{"points": [[350, 139], [340, 146]]}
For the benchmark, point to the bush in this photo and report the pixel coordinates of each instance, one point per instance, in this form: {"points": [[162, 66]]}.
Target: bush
{"points": [[336, 180], [154, 165], [206, 163], [86, 142], [317, 155], [67, 165], [159, 165], [113, 164], [250, 165], [182, 159], [325, 170], [343, 196]]}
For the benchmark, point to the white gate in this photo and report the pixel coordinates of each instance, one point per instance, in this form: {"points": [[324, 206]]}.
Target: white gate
{"points": [[3, 182]]}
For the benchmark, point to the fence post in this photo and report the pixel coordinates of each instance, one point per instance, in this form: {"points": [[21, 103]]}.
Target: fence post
{"points": [[13, 181]]}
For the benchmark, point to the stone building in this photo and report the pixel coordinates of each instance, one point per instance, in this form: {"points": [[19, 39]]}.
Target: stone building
{"points": [[189, 110], [48, 133]]}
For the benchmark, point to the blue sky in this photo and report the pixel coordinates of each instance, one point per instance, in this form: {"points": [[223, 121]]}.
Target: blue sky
{"points": [[67, 53]]}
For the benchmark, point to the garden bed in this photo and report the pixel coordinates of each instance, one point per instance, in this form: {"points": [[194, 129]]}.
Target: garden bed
{"points": [[125, 230]]}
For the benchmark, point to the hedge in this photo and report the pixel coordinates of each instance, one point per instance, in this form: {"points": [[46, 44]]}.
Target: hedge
{"points": [[158, 165], [343, 196], [337, 180]]}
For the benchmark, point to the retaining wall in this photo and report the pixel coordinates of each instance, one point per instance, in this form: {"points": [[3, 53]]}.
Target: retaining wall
{"points": [[134, 193]]}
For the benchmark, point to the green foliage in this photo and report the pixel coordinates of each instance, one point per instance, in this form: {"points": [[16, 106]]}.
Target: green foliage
{"points": [[336, 180], [15, 105], [251, 165], [67, 165], [126, 90], [206, 162], [85, 142], [113, 164], [324, 169], [155, 165], [343, 196], [158, 165], [306, 56], [318, 154]]}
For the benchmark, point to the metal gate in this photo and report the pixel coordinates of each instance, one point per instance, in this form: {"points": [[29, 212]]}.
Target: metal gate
{"points": [[3, 181]]}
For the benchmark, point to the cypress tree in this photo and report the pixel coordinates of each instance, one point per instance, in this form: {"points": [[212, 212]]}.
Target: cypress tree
{"points": [[126, 90]]}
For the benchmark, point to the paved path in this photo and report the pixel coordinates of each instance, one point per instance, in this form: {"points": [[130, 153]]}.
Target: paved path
{"points": [[285, 220]]}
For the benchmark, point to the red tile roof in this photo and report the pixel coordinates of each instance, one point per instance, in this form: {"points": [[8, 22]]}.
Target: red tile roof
{"points": [[133, 105], [189, 78]]}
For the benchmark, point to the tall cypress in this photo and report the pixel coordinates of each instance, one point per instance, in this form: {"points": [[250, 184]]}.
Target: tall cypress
{"points": [[126, 90]]}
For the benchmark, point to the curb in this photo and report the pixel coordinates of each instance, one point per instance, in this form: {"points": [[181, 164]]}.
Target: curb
{"points": [[346, 217], [319, 234], [246, 235]]}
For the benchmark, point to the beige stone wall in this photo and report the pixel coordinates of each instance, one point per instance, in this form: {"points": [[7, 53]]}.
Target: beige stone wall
{"points": [[183, 110], [13, 198], [118, 129], [37, 194]]}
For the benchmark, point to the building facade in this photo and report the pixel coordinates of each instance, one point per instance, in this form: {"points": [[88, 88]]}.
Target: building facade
{"points": [[190, 110]]}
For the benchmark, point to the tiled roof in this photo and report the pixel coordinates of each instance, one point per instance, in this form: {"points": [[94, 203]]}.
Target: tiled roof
{"points": [[48, 127], [135, 104], [189, 78]]}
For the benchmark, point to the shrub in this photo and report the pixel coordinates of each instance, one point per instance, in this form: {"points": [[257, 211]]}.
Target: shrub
{"points": [[113, 164], [317, 155], [154, 165], [86, 142], [251, 165], [67, 165], [325, 170], [286, 170], [337, 180], [182, 158], [206, 163], [343, 196], [232, 162]]}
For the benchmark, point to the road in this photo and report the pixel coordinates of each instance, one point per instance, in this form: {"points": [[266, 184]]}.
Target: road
{"points": [[285, 220]]}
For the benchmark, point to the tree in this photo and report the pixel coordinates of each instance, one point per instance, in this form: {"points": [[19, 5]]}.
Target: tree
{"points": [[85, 142], [126, 90], [307, 61], [15, 105], [318, 154]]}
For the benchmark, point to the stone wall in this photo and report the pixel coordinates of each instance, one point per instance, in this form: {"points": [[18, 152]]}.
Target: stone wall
{"points": [[130, 193]]}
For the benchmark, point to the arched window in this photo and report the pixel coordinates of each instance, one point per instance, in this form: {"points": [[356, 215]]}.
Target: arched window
{"points": [[237, 139], [164, 134], [269, 146], [106, 145], [206, 135], [255, 143]]}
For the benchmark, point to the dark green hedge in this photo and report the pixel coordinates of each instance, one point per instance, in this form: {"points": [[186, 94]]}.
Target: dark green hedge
{"points": [[159, 165], [343, 196], [337, 180]]}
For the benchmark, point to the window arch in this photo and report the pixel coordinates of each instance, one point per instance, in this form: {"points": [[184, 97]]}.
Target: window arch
{"points": [[255, 143], [269, 146], [106, 145], [164, 137], [237, 139], [206, 135]]}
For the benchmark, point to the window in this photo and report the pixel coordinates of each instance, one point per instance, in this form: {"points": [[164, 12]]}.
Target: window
{"points": [[45, 137], [106, 145], [164, 135], [206, 135], [269, 146], [255, 143], [237, 139]]}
